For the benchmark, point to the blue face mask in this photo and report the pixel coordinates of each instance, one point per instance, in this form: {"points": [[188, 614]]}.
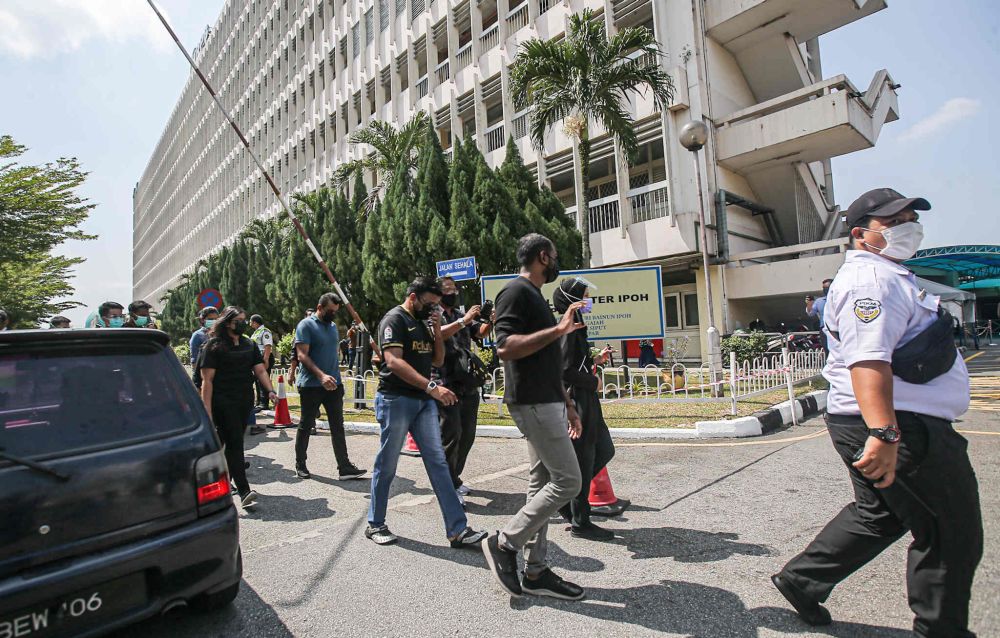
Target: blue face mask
{"points": [[116, 322], [209, 323], [141, 321]]}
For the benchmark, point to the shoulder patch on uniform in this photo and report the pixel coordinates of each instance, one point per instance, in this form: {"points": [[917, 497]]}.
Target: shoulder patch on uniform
{"points": [[387, 335], [867, 309]]}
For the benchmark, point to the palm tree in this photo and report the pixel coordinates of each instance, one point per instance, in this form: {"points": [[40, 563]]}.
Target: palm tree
{"points": [[587, 77], [392, 147]]}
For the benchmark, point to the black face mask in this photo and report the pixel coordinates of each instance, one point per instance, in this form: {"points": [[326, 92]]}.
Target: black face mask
{"points": [[826, 290], [450, 300], [425, 311], [328, 317], [239, 327], [552, 270]]}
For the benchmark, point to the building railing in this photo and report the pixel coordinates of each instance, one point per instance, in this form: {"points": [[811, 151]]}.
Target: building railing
{"points": [[517, 18], [490, 38], [604, 214], [463, 57], [422, 86], [545, 5], [519, 124], [443, 72], [494, 137], [649, 202]]}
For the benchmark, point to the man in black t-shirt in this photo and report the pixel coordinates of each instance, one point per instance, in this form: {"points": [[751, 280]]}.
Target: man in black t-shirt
{"points": [[459, 421], [406, 401], [528, 340]]}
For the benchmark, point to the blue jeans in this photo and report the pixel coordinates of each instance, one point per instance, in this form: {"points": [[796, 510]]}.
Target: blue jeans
{"points": [[398, 415]]}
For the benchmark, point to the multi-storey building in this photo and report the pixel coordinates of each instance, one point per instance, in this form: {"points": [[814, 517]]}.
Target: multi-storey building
{"points": [[301, 75]]}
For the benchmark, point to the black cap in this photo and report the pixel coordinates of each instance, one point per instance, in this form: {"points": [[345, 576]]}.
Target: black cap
{"points": [[882, 202]]}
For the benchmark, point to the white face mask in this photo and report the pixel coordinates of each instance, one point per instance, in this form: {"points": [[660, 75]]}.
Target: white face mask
{"points": [[901, 242]]}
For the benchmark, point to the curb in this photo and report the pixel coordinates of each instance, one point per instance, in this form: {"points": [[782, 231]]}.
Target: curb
{"points": [[765, 421], [757, 424]]}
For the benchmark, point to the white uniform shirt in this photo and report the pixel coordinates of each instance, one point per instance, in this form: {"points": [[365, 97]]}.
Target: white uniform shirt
{"points": [[262, 337], [876, 306]]}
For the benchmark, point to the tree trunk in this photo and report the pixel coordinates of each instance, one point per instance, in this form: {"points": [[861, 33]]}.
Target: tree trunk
{"points": [[582, 149]]}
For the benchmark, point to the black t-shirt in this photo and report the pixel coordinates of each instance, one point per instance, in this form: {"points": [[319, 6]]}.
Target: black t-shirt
{"points": [[399, 329], [460, 341], [233, 368], [522, 310]]}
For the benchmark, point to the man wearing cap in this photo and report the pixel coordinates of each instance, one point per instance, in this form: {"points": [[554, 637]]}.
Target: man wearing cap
{"points": [[896, 385], [138, 315]]}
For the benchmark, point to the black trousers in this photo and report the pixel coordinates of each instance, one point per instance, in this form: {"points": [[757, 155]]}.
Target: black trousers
{"points": [[594, 450], [458, 430], [230, 418], [935, 498], [262, 399], [311, 398]]}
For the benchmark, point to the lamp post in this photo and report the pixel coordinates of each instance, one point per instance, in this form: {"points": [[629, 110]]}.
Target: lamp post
{"points": [[693, 136]]}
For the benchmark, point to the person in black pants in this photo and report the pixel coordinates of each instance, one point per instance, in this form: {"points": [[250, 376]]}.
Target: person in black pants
{"points": [[229, 364], [317, 343], [459, 420], [594, 449]]}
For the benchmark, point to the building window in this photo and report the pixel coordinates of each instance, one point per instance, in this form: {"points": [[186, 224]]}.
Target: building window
{"points": [[356, 39], [383, 14], [672, 307], [691, 319], [370, 25]]}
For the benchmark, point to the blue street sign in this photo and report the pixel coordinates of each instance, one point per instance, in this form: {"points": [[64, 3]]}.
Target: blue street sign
{"points": [[458, 269]]}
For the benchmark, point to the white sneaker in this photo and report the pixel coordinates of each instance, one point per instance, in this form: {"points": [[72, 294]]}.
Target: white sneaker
{"points": [[463, 490], [249, 500], [461, 499]]}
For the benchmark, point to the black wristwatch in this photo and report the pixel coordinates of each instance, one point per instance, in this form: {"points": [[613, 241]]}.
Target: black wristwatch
{"points": [[889, 434]]}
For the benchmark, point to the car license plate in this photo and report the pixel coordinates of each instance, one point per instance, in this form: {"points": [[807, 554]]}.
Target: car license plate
{"points": [[71, 614]]}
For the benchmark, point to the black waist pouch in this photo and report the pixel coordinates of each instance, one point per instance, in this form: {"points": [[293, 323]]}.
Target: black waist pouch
{"points": [[928, 355]]}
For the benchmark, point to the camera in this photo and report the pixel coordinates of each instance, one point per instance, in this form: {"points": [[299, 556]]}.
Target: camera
{"points": [[487, 310]]}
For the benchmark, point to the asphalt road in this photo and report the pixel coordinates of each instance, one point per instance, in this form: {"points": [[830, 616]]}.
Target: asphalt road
{"points": [[709, 523]]}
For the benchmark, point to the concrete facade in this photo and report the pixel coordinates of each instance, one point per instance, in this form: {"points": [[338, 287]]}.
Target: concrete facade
{"points": [[301, 75]]}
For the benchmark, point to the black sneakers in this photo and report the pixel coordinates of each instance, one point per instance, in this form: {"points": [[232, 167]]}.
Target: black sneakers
{"points": [[302, 472], [809, 610], [380, 535], [468, 538], [591, 532], [352, 472], [503, 564], [548, 584], [248, 500]]}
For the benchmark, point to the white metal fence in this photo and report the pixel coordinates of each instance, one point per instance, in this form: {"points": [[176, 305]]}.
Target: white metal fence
{"points": [[675, 383]]}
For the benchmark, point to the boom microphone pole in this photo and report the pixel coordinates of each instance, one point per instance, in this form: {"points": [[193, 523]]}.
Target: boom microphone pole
{"points": [[267, 176]]}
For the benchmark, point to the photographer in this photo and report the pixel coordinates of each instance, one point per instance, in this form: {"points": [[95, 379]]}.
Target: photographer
{"points": [[463, 374], [594, 449]]}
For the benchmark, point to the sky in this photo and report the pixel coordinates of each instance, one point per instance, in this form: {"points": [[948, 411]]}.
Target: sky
{"points": [[97, 80]]}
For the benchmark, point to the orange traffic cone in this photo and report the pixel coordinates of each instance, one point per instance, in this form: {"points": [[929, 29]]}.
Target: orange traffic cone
{"points": [[410, 449], [282, 419], [603, 501]]}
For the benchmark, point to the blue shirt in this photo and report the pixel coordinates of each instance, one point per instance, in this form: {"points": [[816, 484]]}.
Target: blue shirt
{"points": [[323, 340], [818, 306], [198, 339]]}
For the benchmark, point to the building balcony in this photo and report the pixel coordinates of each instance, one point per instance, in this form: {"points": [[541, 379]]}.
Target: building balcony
{"points": [[739, 24], [820, 121]]}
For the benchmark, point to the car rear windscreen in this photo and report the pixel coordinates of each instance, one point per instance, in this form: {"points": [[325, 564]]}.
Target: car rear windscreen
{"points": [[54, 402]]}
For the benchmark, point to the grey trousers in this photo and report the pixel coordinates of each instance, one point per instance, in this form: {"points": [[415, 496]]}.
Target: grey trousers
{"points": [[553, 479]]}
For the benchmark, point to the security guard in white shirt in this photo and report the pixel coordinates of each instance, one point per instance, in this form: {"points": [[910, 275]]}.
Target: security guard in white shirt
{"points": [[896, 384]]}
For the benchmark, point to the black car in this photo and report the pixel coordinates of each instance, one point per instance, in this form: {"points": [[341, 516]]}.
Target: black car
{"points": [[114, 494]]}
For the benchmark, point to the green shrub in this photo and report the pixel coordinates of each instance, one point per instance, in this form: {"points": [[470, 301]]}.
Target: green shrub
{"points": [[747, 346], [285, 345], [183, 352]]}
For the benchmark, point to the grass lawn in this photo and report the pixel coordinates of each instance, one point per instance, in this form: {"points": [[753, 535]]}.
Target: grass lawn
{"points": [[618, 415]]}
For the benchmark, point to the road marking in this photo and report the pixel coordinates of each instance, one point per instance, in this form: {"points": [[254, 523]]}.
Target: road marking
{"points": [[424, 500], [983, 432], [973, 356], [730, 444], [985, 393]]}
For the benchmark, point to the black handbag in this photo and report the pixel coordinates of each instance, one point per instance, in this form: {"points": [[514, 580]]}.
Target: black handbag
{"points": [[928, 355], [468, 369]]}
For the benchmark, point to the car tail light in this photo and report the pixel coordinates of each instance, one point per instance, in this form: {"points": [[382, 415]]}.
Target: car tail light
{"points": [[212, 483]]}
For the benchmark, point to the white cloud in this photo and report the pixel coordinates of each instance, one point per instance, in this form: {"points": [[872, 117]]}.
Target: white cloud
{"points": [[43, 28], [953, 110]]}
